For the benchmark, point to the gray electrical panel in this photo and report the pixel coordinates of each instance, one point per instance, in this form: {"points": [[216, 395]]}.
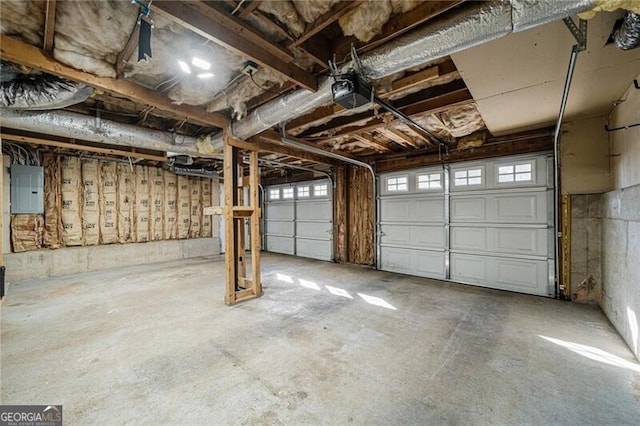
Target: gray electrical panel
{"points": [[27, 193]]}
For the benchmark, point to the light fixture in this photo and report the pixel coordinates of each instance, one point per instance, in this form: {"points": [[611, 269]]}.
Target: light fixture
{"points": [[184, 66], [201, 63], [205, 75]]}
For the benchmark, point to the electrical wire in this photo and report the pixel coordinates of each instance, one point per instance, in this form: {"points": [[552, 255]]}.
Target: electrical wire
{"points": [[262, 88]]}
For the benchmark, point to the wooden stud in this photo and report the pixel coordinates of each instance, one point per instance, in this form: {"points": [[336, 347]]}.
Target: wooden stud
{"points": [[49, 25], [229, 202], [21, 53], [86, 148], [254, 201], [249, 9], [215, 24], [340, 221], [132, 43]]}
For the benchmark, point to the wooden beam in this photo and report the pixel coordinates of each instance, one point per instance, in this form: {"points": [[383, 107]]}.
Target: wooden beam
{"points": [[87, 148], [396, 26], [249, 9], [230, 183], [49, 25], [21, 53], [275, 137], [369, 140], [210, 21], [324, 113], [322, 22], [255, 143], [132, 43], [432, 100], [414, 79], [489, 150], [398, 137]]}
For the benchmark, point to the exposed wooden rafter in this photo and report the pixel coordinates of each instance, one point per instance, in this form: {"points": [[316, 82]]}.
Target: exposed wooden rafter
{"points": [[398, 136], [253, 5], [49, 25], [21, 53], [322, 22], [396, 26], [325, 113], [212, 22], [370, 141]]}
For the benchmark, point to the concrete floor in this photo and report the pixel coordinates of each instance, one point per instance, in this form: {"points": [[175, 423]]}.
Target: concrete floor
{"points": [[326, 344]]}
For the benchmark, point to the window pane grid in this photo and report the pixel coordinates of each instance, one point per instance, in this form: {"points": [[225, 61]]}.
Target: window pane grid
{"points": [[522, 172], [468, 177], [429, 181], [287, 192], [400, 183], [274, 194], [320, 190], [303, 191]]}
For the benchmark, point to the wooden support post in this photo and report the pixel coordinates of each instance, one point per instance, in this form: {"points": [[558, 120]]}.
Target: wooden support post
{"points": [[239, 287]]}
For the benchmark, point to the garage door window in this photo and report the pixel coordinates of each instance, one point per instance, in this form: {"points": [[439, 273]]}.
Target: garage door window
{"points": [[287, 193], [430, 181], [274, 194], [521, 172], [399, 183], [320, 190], [303, 191], [468, 177]]}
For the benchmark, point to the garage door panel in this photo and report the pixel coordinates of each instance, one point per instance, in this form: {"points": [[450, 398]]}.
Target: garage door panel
{"points": [[414, 236], [279, 244], [509, 240], [279, 228], [300, 226], [468, 209], [520, 275], [521, 241], [314, 210], [415, 262], [280, 211], [464, 238], [315, 249], [521, 208], [320, 230], [469, 268], [412, 210]]}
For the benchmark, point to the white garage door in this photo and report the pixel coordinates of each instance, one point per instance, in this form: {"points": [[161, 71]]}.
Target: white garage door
{"points": [[487, 223], [299, 219]]}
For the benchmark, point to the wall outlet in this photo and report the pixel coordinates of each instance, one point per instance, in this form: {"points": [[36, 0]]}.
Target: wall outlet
{"points": [[249, 68]]}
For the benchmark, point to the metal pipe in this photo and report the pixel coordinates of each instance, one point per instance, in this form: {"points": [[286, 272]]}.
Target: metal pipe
{"points": [[353, 161], [557, 164], [78, 126]]}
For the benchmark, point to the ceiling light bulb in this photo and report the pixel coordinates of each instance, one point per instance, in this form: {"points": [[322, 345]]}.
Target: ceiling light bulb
{"points": [[205, 75], [201, 63], [185, 67]]}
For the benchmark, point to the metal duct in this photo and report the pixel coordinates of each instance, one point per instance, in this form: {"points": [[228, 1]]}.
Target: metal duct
{"points": [[41, 92], [77, 126], [480, 22], [628, 35], [197, 172]]}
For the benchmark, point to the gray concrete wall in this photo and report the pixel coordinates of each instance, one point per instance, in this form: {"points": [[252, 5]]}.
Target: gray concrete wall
{"points": [[70, 260], [586, 248], [621, 262]]}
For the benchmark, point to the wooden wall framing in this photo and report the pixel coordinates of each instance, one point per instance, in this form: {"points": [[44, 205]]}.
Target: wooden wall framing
{"points": [[239, 286]]}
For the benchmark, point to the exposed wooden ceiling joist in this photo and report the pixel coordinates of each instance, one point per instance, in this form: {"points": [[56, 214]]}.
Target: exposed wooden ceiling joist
{"points": [[533, 141], [432, 100], [161, 157], [324, 113], [24, 54], [49, 25], [370, 141], [132, 43], [396, 26], [249, 9], [273, 136], [212, 22], [322, 22], [257, 143], [398, 137]]}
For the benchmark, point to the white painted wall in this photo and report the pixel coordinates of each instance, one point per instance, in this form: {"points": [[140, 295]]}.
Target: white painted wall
{"points": [[584, 151], [621, 224]]}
